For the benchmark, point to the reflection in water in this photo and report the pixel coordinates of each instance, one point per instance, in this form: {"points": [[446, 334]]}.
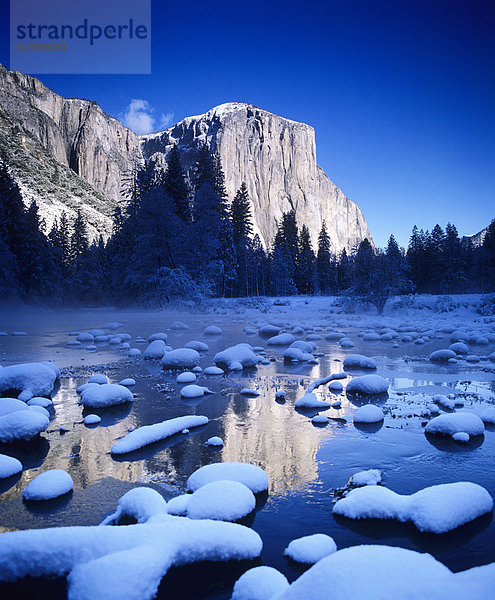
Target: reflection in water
{"points": [[273, 436]]}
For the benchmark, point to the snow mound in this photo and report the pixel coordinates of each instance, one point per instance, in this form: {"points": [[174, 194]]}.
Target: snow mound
{"points": [[250, 475], [367, 573], [309, 400], [22, 425], [212, 370], [9, 466], [98, 378], [148, 434], [29, 380], [269, 330], [488, 415], [107, 394], [459, 348], [335, 386], [178, 326], [284, 339], [10, 405], [160, 335], [212, 330], [48, 485], [444, 401], [178, 505], [92, 419], [215, 441], [126, 562], [182, 358], [437, 509], [240, 354], [369, 413], [249, 392], [442, 355], [194, 391], [221, 501], [186, 377], [311, 548], [369, 477], [140, 503], [452, 423], [320, 420], [367, 385], [39, 401], [259, 583], [358, 361], [155, 350], [128, 382], [197, 345]]}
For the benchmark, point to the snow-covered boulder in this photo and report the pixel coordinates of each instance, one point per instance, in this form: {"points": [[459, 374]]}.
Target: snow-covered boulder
{"points": [[28, 380], [369, 477], [10, 405], [283, 339], [140, 503], [181, 358], [48, 485], [438, 509], [367, 385], [107, 394], [311, 548], [128, 382], [98, 378], [221, 501], [269, 330], [85, 337], [186, 377], [250, 475], [197, 345], [442, 355], [92, 419], [259, 583], [148, 434], [367, 573], [194, 391], [249, 392], [320, 420], [160, 335], [124, 562], [22, 425], [212, 330], [452, 423], [178, 326], [9, 466], [309, 400], [155, 350], [241, 354], [39, 401], [213, 370], [459, 348], [335, 386], [358, 361], [369, 413], [215, 441]]}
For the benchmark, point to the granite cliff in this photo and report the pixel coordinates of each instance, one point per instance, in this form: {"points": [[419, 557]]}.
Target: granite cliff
{"points": [[67, 153]]}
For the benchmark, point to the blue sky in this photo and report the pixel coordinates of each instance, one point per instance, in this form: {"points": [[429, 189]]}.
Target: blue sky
{"points": [[401, 94]]}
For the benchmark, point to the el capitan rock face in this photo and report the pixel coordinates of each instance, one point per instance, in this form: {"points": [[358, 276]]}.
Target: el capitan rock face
{"points": [[276, 157], [68, 154]]}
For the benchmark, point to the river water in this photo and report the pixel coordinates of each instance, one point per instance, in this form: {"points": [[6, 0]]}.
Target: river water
{"points": [[306, 464]]}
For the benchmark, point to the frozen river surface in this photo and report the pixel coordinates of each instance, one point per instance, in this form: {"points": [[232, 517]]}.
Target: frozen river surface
{"points": [[307, 465]]}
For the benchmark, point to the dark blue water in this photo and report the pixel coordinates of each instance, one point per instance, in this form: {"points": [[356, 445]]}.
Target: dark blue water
{"points": [[305, 464]]}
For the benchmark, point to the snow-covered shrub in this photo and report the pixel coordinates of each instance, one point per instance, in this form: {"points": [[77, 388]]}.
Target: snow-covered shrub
{"points": [[177, 285]]}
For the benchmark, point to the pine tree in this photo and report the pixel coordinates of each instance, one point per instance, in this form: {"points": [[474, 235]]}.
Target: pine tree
{"points": [[305, 263], [240, 214], [453, 271], [323, 262], [79, 242], [176, 186]]}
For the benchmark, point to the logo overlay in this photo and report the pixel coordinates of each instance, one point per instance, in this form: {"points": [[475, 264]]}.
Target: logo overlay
{"points": [[86, 37]]}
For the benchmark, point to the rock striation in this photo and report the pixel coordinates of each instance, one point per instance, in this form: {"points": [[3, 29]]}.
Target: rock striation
{"points": [[67, 154]]}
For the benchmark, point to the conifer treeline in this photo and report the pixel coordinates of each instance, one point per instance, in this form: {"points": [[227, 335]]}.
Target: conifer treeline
{"points": [[182, 239]]}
